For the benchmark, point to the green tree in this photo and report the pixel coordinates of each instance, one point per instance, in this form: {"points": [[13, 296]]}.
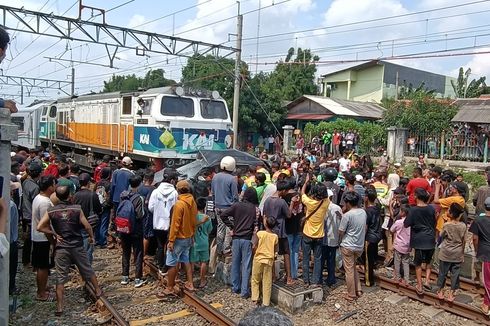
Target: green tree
{"points": [[463, 89], [127, 83], [410, 93]]}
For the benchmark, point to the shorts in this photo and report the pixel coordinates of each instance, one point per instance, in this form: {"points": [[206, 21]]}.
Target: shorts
{"points": [[423, 256], [40, 255], [180, 254], [65, 257], [148, 227], [199, 256], [283, 246]]}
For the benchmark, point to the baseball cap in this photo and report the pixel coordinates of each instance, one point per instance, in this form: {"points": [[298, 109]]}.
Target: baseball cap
{"points": [[359, 178], [127, 160], [183, 184], [84, 177], [12, 154], [35, 167], [397, 165], [459, 187], [487, 203]]}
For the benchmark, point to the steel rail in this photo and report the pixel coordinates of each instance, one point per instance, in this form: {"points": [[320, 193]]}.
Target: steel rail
{"points": [[118, 318], [201, 307], [430, 298]]}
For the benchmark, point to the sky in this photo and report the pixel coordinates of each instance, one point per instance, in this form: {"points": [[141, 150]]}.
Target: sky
{"points": [[442, 35]]}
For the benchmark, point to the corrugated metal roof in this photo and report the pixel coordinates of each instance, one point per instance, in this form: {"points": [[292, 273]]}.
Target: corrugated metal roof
{"points": [[348, 108], [475, 110], [308, 116]]}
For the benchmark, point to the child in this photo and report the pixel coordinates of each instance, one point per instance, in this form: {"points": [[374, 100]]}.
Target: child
{"points": [[451, 253], [265, 246], [401, 246], [200, 249]]}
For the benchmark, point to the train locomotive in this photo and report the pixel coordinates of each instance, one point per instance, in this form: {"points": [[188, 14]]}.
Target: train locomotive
{"points": [[165, 126]]}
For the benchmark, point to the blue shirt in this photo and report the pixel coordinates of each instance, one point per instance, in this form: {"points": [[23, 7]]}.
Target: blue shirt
{"points": [[225, 190], [14, 222]]}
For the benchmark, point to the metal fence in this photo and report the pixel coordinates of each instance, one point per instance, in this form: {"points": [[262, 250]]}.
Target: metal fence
{"points": [[453, 145]]}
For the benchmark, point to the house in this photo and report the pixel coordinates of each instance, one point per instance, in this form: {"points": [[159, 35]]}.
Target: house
{"points": [[311, 108], [374, 80]]}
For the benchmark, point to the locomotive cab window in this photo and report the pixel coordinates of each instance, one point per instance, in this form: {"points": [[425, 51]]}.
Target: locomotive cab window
{"points": [[213, 109], [177, 106], [126, 109], [45, 111], [52, 112]]}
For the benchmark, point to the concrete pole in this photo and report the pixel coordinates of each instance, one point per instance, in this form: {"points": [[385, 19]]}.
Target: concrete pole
{"points": [[8, 132], [236, 91], [72, 81]]}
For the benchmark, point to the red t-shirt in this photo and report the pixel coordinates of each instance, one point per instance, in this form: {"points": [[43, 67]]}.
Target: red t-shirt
{"points": [[336, 139], [414, 184]]}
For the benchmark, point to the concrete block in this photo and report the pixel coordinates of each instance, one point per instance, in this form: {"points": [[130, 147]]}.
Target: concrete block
{"points": [[396, 299], [295, 299], [223, 273], [431, 312]]}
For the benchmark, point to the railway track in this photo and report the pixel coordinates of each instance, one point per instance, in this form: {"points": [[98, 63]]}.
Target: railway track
{"points": [[112, 304], [201, 307], [461, 309]]}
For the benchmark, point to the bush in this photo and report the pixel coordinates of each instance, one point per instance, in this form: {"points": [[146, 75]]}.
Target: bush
{"points": [[371, 134]]}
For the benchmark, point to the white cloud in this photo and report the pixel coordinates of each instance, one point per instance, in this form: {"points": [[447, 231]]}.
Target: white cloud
{"points": [[479, 64], [347, 11], [136, 20]]}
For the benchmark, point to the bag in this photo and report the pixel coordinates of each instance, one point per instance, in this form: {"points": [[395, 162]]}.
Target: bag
{"points": [[304, 219], [93, 218], [102, 194], [125, 215]]}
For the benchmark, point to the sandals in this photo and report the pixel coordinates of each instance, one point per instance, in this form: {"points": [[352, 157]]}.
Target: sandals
{"points": [[349, 298], [486, 313], [165, 294], [51, 297]]}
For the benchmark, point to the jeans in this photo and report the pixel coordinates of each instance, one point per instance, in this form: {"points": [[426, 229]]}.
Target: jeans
{"points": [[103, 228], [223, 238], [241, 266], [402, 260], [13, 263], [328, 257], [135, 243], [294, 241], [446, 267], [162, 238], [89, 248], [315, 245]]}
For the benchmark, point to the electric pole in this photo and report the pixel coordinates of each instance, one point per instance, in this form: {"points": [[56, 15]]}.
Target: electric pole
{"points": [[72, 81], [8, 132], [236, 91]]}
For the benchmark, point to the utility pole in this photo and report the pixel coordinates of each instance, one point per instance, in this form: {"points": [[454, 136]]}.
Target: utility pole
{"points": [[21, 92], [72, 81], [396, 86], [8, 132], [236, 91]]}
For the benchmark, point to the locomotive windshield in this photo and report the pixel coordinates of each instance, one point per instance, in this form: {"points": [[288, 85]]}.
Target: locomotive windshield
{"points": [[213, 109], [177, 106]]}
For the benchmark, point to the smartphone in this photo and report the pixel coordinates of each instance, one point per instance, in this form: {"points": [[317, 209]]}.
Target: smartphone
{"points": [[1, 187]]}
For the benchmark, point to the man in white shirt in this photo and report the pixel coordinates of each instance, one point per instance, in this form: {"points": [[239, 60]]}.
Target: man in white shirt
{"points": [[40, 259], [344, 163]]}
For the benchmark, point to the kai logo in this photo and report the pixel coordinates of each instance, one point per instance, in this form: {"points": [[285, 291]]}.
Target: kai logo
{"points": [[145, 139]]}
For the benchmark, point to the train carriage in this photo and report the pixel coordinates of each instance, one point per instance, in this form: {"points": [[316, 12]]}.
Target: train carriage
{"points": [[166, 125]]}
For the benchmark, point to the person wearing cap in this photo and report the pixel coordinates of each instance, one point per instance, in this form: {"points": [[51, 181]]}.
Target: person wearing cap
{"points": [[120, 181], [182, 229], [90, 204], [480, 228], [30, 189], [455, 195]]}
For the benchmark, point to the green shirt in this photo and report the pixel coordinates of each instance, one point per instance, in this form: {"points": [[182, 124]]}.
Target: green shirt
{"points": [[201, 237]]}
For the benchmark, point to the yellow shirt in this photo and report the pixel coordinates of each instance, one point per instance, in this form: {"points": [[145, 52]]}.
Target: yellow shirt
{"points": [[266, 247], [314, 225], [445, 204]]}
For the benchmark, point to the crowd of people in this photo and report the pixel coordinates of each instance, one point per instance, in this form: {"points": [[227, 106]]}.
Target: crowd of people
{"points": [[322, 216]]}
